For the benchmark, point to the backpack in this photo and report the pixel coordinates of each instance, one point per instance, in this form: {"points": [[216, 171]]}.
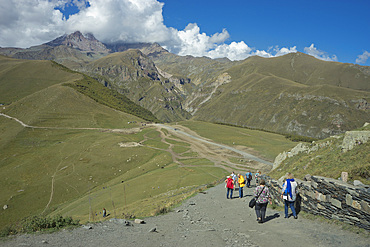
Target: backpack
{"points": [[250, 176]]}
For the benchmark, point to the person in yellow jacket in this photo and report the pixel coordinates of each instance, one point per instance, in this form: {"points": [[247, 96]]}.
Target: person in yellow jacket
{"points": [[241, 182]]}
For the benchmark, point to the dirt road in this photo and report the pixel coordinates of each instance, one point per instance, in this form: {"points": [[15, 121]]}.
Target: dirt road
{"points": [[207, 219]]}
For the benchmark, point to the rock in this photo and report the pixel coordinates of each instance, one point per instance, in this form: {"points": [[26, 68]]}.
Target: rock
{"points": [[120, 221], [353, 138], [307, 177], [279, 159], [154, 229], [139, 221], [357, 183], [344, 176], [282, 179], [5, 207], [87, 227]]}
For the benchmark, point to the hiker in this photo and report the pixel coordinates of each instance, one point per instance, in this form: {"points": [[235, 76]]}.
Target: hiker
{"points": [[234, 177], [263, 197], [230, 187], [257, 177], [104, 213], [241, 182], [248, 177], [289, 194]]}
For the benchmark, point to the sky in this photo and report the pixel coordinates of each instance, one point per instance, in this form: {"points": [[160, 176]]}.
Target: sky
{"points": [[330, 30]]}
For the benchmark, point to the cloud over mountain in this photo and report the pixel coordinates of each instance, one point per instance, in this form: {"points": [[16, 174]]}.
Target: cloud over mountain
{"points": [[25, 23], [363, 57], [313, 51]]}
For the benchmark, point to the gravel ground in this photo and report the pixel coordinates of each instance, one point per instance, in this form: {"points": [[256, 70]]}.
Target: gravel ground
{"points": [[207, 219]]}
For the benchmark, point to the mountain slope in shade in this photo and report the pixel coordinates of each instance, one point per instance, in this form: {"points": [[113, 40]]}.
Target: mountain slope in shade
{"points": [[136, 76]]}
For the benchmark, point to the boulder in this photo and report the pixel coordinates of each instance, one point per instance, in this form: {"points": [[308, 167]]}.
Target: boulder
{"points": [[139, 221], [357, 183], [307, 177]]}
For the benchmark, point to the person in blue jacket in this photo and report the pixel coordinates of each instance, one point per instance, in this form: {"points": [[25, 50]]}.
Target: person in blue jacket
{"points": [[289, 195]]}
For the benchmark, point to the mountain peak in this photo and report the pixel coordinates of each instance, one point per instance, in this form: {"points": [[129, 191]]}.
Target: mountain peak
{"points": [[79, 41]]}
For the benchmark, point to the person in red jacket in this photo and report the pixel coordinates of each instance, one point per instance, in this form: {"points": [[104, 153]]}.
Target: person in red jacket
{"points": [[230, 187]]}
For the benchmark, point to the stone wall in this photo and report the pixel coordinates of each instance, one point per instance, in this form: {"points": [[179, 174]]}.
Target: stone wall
{"points": [[330, 198]]}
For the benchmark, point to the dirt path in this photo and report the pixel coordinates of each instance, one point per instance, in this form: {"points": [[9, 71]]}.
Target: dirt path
{"points": [[207, 219], [217, 153], [124, 131], [201, 139]]}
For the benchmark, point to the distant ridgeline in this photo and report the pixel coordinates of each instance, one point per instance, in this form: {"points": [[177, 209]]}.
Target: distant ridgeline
{"points": [[294, 94]]}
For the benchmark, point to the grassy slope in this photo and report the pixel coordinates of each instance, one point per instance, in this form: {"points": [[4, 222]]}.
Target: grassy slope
{"points": [[60, 106], [75, 164], [19, 78], [305, 69], [82, 160], [269, 94]]}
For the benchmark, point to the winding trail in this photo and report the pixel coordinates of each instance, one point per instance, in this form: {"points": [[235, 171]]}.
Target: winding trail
{"points": [[125, 131]]}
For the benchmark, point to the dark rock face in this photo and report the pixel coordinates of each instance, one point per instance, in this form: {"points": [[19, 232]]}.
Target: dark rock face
{"points": [[78, 41]]}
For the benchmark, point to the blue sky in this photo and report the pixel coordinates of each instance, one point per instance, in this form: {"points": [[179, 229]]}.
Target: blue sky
{"points": [[329, 30], [339, 27]]}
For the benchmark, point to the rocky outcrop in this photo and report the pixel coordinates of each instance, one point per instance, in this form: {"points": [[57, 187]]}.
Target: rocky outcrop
{"points": [[300, 148], [330, 198], [353, 138], [79, 41]]}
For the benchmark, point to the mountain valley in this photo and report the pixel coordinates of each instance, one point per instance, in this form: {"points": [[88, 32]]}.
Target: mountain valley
{"points": [[86, 125]]}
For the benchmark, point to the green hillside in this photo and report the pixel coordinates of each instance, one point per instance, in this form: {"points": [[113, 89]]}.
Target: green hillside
{"points": [[301, 68], [264, 94], [19, 78], [76, 154]]}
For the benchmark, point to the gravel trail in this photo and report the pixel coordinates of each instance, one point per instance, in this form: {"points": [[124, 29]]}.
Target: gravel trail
{"points": [[207, 219]]}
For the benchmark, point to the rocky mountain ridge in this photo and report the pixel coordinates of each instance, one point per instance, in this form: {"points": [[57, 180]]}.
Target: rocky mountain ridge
{"points": [[295, 93], [79, 41]]}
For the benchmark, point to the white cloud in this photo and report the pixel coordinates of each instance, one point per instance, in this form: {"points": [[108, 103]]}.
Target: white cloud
{"points": [[233, 51], [283, 51], [319, 54], [127, 20], [24, 23], [363, 57]]}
